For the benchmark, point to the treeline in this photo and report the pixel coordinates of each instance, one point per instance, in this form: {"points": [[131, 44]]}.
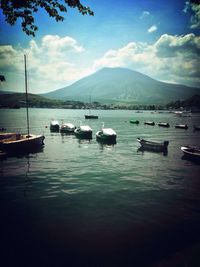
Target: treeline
{"points": [[192, 103], [18, 100]]}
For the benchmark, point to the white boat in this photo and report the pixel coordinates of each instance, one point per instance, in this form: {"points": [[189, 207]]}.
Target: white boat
{"points": [[178, 113], [152, 145], [16, 142], [181, 126], [164, 124], [191, 152], [67, 128], [106, 135], [83, 131], [54, 126], [152, 123]]}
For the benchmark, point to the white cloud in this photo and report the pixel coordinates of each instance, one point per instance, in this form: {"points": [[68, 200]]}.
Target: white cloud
{"points": [[57, 62], [50, 63], [144, 14], [170, 58], [195, 14], [153, 28]]}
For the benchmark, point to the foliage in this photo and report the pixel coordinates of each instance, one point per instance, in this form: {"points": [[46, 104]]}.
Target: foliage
{"points": [[25, 9], [197, 2], [193, 101]]}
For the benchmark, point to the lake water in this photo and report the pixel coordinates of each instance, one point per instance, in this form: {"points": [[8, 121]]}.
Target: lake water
{"points": [[79, 203]]}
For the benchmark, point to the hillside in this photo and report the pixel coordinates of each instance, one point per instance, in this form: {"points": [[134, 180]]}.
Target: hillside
{"points": [[119, 85], [16, 100]]}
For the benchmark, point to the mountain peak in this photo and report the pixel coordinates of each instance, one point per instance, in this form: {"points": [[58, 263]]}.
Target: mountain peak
{"points": [[110, 85]]}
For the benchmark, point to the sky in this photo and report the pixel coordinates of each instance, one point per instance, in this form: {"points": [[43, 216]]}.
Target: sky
{"points": [[158, 38]]}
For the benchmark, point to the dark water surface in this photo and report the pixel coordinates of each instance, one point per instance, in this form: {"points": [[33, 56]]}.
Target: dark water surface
{"points": [[79, 203]]}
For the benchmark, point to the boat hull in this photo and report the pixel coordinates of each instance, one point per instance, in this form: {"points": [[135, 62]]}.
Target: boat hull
{"points": [[91, 117], [134, 122], [197, 128], [67, 128], [154, 146], [163, 124], [24, 143], [83, 135], [54, 126], [181, 126], [151, 123], [83, 132], [106, 139], [191, 152]]}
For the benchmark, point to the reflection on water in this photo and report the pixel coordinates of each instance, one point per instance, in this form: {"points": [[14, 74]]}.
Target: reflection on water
{"points": [[80, 202], [143, 150]]}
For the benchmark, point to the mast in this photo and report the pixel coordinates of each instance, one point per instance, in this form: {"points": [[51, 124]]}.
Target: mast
{"points": [[26, 88]]}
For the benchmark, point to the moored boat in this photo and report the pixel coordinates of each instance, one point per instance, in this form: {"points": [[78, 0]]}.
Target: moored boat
{"points": [[181, 126], [83, 131], [134, 121], [197, 127], [106, 135], [152, 145], [54, 126], [192, 152], [19, 143], [164, 124], [152, 123], [90, 116], [67, 128]]}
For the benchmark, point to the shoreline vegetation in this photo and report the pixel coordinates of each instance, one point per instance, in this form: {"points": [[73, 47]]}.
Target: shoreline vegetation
{"points": [[17, 100]]}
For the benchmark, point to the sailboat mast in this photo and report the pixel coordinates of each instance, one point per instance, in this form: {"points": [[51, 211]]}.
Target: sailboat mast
{"points": [[26, 88]]}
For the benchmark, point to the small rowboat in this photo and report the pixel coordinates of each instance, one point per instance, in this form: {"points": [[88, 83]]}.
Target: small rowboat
{"points": [[152, 145], [164, 124], [191, 152], [181, 126], [152, 123], [134, 121]]}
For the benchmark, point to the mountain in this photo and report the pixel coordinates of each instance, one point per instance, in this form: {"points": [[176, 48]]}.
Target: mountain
{"points": [[121, 85]]}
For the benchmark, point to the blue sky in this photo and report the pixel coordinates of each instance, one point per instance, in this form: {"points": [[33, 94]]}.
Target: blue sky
{"points": [[158, 38]]}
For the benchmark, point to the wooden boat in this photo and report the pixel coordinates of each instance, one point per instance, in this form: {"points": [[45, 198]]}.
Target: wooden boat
{"points": [[191, 152], [152, 145], [134, 121], [16, 142], [83, 131], [106, 135], [67, 128], [4, 136], [54, 126], [197, 127], [164, 124], [152, 123], [181, 126], [21, 142]]}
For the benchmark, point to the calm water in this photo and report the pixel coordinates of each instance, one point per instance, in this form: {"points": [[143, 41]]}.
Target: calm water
{"points": [[81, 203]]}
